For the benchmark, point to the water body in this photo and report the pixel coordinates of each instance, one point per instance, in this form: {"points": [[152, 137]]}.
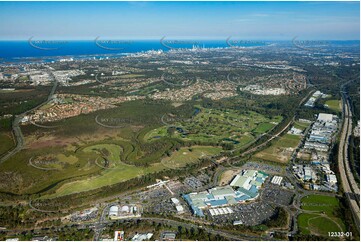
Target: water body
{"points": [[35, 50]]}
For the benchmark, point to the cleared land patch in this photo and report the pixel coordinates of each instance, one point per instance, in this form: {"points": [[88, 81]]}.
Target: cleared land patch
{"points": [[301, 125], [186, 155], [281, 150], [227, 176]]}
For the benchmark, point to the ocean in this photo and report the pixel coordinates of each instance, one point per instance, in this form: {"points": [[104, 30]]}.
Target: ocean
{"points": [[46, 50]]}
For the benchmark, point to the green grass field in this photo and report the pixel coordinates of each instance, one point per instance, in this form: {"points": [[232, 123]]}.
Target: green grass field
{"points": [[122, 171], [263, 128], [301, 125], [6, 142], [213, 125], [322, 204], [281, 149], [334, 105], [187, 155], [321, 216]]}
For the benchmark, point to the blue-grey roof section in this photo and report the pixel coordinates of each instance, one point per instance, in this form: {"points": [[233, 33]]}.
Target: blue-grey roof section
{"points": [[196, 211]]}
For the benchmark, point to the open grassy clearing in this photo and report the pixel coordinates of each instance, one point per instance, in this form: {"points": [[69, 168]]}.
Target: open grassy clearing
{"points": [[319, 203], [281, 150], [334, 105], [322, 217], [186, 155], [122, 171], [317, 225]]}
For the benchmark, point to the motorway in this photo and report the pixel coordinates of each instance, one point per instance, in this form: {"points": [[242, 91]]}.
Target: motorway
{"points": [[350, 187], [101, 225], [16, 123]]}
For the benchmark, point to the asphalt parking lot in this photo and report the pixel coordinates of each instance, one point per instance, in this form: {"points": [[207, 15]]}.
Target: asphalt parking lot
{"points": [[250, 214], [262, 167], [276, 195]]}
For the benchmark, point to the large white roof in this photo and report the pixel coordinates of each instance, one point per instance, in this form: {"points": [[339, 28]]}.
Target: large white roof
{"points": [[325, 117]]}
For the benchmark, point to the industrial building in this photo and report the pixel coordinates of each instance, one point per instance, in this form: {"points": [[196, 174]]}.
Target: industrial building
{"points": [[141, 237], [220, 211], [318, 143], [178, 205], [126, 211], [168, 236], [277, 180]]}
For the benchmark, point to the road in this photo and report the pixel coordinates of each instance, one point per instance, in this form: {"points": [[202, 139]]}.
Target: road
{"points": [[100, 226], [20, 142], [279, 133], [349, 184]]}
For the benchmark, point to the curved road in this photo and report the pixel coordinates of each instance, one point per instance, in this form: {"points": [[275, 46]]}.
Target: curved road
{"points": [[16, 123]]}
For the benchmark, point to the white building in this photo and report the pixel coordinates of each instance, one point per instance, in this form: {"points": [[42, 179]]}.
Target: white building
{"points": [[141, 237], [331, 178], [276, 180], [325, 117], [113, 211]]}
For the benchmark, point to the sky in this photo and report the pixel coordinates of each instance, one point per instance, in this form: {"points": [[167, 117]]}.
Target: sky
{"points": [[189, 20]]}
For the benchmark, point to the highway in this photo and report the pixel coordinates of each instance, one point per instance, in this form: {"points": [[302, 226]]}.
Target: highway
{"points": [[349, 185], [172, 222], [20, 142]]}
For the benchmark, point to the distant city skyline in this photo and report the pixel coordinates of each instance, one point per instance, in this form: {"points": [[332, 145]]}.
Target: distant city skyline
{"points": [[179, 20]]}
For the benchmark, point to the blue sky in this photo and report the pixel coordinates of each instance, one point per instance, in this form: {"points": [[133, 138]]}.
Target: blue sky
{"points": [[152, 20]]}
